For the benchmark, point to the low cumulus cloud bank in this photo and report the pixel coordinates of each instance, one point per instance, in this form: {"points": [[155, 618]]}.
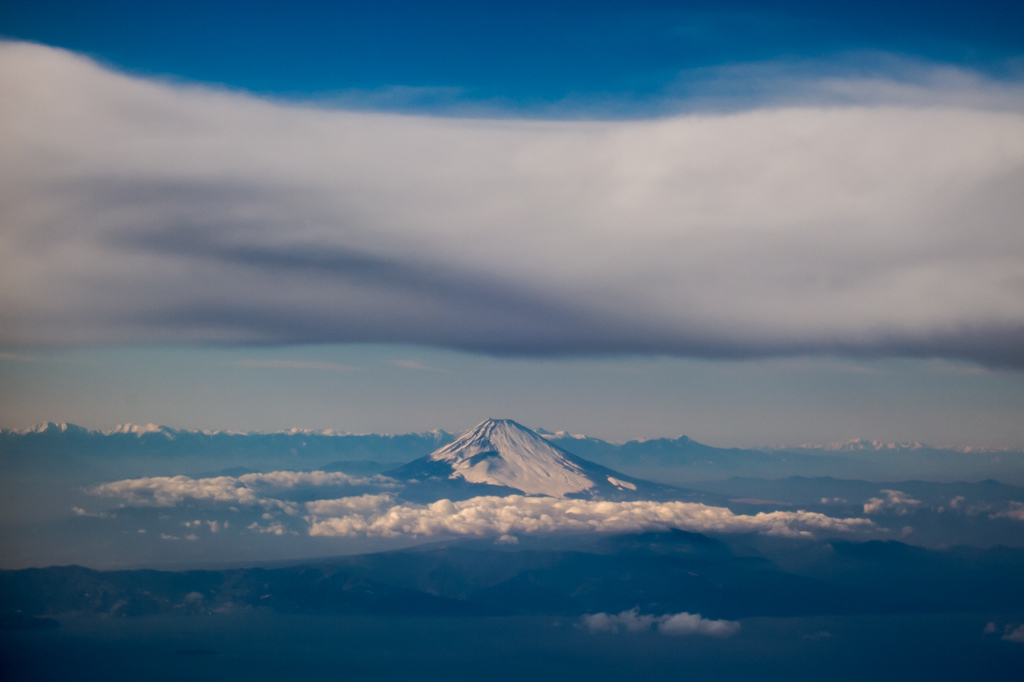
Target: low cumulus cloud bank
{"points": [[379, 516], [670, 624], [382, 514], [133, 210]]}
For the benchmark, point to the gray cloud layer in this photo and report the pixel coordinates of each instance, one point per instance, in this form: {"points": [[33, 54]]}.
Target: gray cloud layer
{"points": [[139, 211]]}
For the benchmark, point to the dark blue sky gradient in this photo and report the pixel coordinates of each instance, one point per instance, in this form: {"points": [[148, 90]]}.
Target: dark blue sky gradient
{"points": [[521, 52]]}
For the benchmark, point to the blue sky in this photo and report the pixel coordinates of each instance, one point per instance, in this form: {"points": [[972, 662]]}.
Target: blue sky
{"points": [[780, 223], [521, 54]]}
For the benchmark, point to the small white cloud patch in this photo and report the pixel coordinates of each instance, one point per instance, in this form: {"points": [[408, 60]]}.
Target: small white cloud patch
{"points": [[669, 624], [276, 528], [1014, 510], [1015, 635], [895, 500], [100, 515], [621, 484]]}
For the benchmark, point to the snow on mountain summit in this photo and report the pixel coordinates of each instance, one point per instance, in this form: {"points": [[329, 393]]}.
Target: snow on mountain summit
{"points": [[502, 452], [501, 457]]}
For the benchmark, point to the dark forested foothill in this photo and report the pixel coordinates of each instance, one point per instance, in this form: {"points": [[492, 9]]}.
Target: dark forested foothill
{"points": [[657, 572]]}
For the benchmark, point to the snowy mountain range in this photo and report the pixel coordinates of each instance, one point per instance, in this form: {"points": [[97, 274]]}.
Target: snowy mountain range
{"points": [[143, 430], [68, 450]]}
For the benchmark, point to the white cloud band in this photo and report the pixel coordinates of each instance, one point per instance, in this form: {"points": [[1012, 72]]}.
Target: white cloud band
{"points": [[248, 489], [381, 514], [378, 516]]}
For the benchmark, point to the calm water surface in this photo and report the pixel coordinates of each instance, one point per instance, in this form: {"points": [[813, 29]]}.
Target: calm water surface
{"points": [[281, 647]]}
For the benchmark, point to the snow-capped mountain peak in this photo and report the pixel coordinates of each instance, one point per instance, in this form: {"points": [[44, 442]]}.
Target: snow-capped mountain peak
{"points": [[140, 430], [49, 428], [502, 452], [858, 444]]}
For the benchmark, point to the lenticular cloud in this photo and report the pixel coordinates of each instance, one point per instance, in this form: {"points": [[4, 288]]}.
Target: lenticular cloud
{"points": [[136, 211]]}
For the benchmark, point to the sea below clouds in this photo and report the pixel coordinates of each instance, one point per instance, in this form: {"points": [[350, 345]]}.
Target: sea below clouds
{"points": [[266, 646]]}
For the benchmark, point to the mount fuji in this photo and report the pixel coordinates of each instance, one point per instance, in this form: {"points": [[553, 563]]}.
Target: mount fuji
{"points": [[502, 457]]}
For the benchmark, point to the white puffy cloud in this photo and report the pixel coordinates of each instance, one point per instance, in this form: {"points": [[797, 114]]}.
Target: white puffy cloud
{"points": [[894, 500], [134, 210], [378, 516], [670, 624], [346, 505], [692, 624], [168, 491], [630, 621]]}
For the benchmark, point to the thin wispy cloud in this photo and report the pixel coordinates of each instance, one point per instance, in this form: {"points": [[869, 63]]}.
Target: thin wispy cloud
{"points": [[853, 78], [296, 364], [15, 357], [884, 225], [416, 365]]}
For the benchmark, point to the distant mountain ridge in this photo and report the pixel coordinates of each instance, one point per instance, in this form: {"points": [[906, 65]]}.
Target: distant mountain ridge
{"points": [[684, 461], [67, 451], [55, 428], [151, 449], [142, 430]]}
